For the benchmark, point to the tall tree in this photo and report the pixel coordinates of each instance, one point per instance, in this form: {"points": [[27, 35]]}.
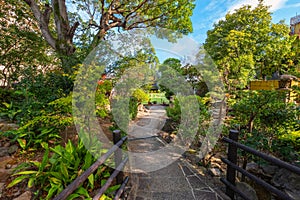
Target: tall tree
{"points": [[169, 69], [247, 44], [99, 17]]}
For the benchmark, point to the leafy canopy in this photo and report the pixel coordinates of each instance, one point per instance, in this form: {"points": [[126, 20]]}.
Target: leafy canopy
{"points": [[247, 44], [89, 21]]}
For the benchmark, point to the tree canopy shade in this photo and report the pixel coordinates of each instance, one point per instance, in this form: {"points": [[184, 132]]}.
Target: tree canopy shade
{"points": [[91, 20], [246, 44]]}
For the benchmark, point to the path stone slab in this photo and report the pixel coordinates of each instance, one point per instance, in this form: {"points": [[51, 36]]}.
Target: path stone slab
{"points": [[185, 195], [162, 195], [203, 195], [170, 184], [187, 171], [196, 183]]}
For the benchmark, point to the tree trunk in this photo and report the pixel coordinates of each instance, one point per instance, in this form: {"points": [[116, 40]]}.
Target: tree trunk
{"points": [[63, 42], [251, 123]]}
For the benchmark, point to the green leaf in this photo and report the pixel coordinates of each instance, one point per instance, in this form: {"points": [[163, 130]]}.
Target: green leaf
{"points": [[45, 159], [55, 180], [88, 159], [104, 197], [112, 189], [73, 196], [58, 150], [64, 170], [22, 143], [82, 191], [55, 174], [52, 190], [36, 163], [103, 182], [31, 182], [26, 172], [70, 147], [91, 180], [16, 181]]}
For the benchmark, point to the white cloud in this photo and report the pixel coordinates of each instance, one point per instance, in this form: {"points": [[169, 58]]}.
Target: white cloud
{"points": [[218, 8], [275, 4], [296, 5], [214, 4]]}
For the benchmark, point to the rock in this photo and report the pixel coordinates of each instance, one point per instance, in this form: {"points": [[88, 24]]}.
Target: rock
{"points": [[5, 174], [13, 149], [4, 161], [247, 190], [16, 193], [8, 127], [288, 182], [7, 144], [214, 171], [287, 77], [253, 167], [192, 157], [3, 152], [140, 107], [8, 166], [25, 196], [270, 169]]}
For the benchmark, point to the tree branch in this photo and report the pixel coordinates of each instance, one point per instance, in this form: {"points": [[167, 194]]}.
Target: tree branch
{"points": [[47, 13], [134, 10], [72, 30], [135, 24], [43, 23], [102, 6]]}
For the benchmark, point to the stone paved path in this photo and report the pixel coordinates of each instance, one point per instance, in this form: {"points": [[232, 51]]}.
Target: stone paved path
{"points": [[158, 174]]}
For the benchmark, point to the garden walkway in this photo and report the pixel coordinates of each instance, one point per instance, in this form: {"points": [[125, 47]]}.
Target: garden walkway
{"points": [[159, 174]]}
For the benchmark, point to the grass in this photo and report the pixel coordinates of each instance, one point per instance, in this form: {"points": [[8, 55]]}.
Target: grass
{"points": [[159, 98]]}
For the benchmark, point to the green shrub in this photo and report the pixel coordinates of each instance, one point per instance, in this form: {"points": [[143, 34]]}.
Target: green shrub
{"points": [[133, 107], [204, 116], [46, 126], [140, 95], [102, 98], [267, 123]]}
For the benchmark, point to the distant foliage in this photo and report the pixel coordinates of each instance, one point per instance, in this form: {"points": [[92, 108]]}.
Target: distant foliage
{"points": [[174, 112], [102, 98], [140, 95], [133, 107]]}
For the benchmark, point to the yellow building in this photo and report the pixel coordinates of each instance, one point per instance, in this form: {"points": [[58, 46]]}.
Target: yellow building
{"points": [[295, 25], [279, 85]]}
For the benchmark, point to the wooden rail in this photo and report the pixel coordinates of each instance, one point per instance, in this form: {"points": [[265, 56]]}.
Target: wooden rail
{"points": [[118, 174], [232, 167]]}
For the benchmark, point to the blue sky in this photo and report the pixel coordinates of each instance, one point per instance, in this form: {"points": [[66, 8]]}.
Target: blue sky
{"points": [[209, 11]]}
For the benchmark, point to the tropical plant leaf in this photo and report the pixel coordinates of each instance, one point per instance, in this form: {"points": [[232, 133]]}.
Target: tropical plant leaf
{"points": [[17, 180]]}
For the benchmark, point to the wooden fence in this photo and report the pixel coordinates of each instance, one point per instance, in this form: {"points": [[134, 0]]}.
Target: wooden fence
{"points": [[117, 174], [232, 168]]}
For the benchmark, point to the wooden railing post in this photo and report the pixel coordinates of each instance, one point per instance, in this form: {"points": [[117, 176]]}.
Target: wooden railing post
{"points": [[118, 155], [232, 157]]}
